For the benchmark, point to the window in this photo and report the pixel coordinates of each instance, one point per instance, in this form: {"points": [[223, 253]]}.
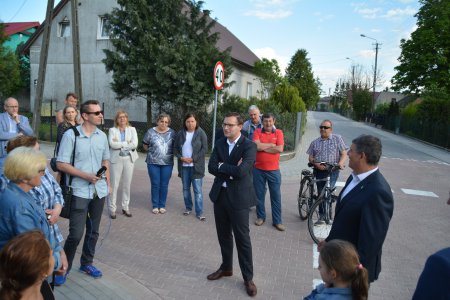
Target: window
{"points": [[64, 28], [249, 90], [102, 32]]}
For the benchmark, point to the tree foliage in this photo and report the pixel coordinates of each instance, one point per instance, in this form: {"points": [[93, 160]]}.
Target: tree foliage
{"points": [[362, 102], [10, 81], [269, 74], [288, 98], [299, 74], [425, 57], [164, 51]]}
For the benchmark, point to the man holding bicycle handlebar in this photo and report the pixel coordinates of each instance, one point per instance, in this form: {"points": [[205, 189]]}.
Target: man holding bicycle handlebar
{"points": [[327, 148]]}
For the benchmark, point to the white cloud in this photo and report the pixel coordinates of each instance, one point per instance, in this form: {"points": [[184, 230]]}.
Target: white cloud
{"points": [[264, 15], [367, 53], [271, 9], [368, 13], [270, 53], [399, 12]]}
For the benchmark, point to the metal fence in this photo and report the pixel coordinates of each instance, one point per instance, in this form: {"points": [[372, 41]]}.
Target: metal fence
{"points": [[290, 123], [433, 132]]}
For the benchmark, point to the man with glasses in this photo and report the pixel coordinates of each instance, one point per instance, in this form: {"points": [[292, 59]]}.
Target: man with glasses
{"points": [[89, 191], [11, 125], [329, 148], [232, 193]]}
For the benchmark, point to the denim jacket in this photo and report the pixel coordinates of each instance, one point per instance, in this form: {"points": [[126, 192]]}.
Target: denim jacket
{"points": [[19, 213]]}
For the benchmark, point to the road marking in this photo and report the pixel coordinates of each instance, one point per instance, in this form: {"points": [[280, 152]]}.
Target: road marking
{"points": [[419, 193], [315, 256], [316, 282], [340, 183]]}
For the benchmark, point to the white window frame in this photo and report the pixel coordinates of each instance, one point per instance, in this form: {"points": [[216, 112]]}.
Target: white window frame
{"points": [[100, 31], [249, 89], [64, 29]]}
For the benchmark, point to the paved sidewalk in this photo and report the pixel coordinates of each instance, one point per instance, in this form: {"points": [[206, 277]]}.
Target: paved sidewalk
{"points": [[168, 256]]}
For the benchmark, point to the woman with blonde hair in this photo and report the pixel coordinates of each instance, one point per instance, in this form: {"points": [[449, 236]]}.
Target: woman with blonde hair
{"points": [[123, 142], [25, 263], [24, 168]]}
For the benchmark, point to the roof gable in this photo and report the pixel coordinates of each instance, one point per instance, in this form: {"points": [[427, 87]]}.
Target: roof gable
{"points": [[16, 27]]}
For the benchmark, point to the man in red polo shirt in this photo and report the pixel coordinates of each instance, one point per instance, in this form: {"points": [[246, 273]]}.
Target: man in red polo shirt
{"points": [[269, 144]]}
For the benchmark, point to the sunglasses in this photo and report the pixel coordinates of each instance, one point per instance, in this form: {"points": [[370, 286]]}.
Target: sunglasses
{"points": [[97, 113], [324, 127]]}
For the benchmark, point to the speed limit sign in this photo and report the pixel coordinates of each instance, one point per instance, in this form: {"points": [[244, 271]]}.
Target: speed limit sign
{"points": [[219, 75]]}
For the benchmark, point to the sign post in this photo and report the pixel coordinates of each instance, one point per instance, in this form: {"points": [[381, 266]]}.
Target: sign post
{"points": [[219, 80]]}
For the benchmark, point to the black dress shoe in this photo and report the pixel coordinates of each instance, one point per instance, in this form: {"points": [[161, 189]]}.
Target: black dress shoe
{"points": [[113, 215], [127, 213], [251, 288], [219, 274]]}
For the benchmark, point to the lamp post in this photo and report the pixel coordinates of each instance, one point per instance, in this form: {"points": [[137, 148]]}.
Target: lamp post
{"points": [[375, 69]]}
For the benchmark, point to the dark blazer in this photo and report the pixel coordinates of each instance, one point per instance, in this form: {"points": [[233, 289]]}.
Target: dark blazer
{"points": [[239, 179], [434, 281], [362, 218]]}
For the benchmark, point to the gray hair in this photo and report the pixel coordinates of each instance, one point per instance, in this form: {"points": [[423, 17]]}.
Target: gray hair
{"points": [[370, 146]]}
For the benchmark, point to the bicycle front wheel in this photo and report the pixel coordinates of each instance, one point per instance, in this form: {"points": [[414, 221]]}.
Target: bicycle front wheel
{"points": [[319, 220], [305, 196]]}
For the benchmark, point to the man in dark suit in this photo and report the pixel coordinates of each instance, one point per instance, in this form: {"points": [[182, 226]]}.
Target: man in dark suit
{"points": [[232, 192], [365, 205]]}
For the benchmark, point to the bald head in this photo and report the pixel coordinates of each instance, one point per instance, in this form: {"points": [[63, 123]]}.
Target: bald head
{"points": [[11, 106]]}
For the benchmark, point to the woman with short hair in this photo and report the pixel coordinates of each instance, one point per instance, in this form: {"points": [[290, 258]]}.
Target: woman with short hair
{"points": [[24, 168], [123, 142], [158, 142]]}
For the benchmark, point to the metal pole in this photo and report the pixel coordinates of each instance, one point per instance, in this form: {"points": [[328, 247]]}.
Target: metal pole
{"points": [[375, 76], [214, 122]]}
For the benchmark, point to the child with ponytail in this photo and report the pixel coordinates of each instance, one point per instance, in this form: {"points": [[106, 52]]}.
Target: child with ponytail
{"points": [[343, 275]]}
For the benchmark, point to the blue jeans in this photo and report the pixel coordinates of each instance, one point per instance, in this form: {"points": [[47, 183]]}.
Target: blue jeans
{"points": [[186, 178], [273, 179], [159, 179]]}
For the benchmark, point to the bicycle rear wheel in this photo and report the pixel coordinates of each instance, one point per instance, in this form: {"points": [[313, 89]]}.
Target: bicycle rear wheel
{"points": [[319, 224], [305, 196]]}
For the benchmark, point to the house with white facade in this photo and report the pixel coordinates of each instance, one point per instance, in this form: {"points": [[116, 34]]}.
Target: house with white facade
{"points": [[95, 80]]}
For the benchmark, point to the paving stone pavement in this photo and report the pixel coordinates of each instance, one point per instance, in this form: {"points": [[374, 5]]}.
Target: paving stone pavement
{"points": [[168, 256]]}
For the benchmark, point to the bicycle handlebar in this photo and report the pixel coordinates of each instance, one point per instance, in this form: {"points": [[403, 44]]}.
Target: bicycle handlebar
{"points": [[329, 166]]}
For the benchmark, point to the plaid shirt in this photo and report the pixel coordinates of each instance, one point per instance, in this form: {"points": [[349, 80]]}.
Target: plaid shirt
{"points": [[327, 150], [47, 195]]}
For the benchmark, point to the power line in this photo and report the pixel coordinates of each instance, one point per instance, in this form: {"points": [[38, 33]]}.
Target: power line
{"points": [[18, 11]]}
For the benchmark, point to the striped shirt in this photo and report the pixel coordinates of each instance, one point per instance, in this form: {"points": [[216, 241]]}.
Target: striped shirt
{"points": [[47, 195], [327, 150]]}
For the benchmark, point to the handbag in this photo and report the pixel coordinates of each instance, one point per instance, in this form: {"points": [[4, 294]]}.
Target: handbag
{"points": [[67, 191]]}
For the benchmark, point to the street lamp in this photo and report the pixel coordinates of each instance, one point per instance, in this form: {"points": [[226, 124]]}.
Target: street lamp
{"points": [[375, 69]]}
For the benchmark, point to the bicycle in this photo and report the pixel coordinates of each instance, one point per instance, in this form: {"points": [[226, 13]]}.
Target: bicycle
{"points": [[309, 203]]}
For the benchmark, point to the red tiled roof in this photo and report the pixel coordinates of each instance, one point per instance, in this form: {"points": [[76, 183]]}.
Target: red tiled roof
{"points": [[12, 28]]}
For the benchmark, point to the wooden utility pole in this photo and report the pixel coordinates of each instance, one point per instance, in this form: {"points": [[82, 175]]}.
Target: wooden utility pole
{"points": [[76, 50], [42, 67]]}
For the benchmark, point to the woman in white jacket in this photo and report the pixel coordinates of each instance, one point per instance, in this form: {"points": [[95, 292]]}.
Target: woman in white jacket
{"points": [[122, 143]]}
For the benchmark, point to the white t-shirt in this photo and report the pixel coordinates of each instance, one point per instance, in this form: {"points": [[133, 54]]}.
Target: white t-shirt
{"points": [[187, 148]]}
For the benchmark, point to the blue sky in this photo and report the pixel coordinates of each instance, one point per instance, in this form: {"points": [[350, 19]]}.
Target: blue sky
{"points": [[328, 29]]}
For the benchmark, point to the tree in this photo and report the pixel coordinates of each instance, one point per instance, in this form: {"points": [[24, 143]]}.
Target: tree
{"points": [[425, 57], [299, 74], [269, 76], [165, 51], [10, 81], [362, 102], [288, 98]]}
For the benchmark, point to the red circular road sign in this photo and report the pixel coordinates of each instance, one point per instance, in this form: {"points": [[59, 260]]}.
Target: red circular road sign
{"points": [[219, 75]]}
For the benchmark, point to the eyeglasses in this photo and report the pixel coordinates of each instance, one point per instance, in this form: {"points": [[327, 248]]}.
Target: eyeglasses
{"points": [[97, 113], [224, 125], [324, 127], [12, 106]]}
